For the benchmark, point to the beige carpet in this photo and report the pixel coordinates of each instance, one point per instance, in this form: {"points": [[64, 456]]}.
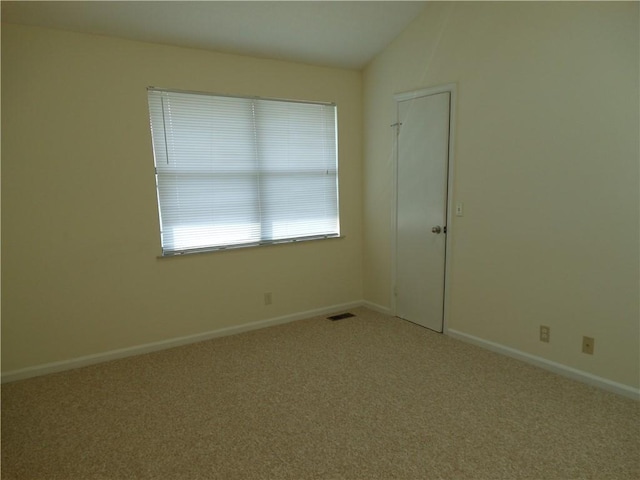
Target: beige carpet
{"points": [[369, 397]]}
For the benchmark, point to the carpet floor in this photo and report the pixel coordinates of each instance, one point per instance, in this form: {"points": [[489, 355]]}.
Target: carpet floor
{"points": [[368, 397]]}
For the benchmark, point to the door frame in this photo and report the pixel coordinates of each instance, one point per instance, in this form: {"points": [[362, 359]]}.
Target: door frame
{"points": [[401, 97]]}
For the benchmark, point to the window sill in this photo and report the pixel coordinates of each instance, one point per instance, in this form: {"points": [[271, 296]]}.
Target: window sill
{"points": [[246, 245]]}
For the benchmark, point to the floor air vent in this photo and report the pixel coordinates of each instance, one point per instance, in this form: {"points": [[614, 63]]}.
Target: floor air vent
{"points": [[341, 316]]}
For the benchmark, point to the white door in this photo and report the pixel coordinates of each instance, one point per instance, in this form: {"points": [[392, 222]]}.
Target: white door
{"points": [[422, 174]]}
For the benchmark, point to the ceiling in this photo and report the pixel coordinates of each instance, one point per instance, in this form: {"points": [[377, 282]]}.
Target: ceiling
{"points": [[331, 33]]}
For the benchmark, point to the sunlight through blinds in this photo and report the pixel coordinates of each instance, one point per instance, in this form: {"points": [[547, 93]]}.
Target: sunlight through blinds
{"points": [[233, 171]]}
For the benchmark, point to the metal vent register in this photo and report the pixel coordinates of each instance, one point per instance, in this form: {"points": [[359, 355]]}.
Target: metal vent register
{"points": [[341, 316]]}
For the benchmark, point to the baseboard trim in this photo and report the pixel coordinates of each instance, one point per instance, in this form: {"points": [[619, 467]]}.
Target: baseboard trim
{"points": [[84, 361], [44, 369], [375, 307], [549, 365]]}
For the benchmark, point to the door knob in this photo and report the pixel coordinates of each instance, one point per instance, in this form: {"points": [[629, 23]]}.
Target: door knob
{"points": [[436, 229]]}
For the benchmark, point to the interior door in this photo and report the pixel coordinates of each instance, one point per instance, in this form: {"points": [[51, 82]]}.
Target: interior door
{"points": [[422, 173]]}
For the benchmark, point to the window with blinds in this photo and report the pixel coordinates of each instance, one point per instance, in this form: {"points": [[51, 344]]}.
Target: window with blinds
{"points": [[234, 171]]}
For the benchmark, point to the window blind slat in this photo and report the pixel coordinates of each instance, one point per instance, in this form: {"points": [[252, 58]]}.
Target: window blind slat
{"points": [[235, 171]]}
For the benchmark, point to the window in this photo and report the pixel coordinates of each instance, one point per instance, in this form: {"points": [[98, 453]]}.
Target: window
{"points": [[234, 171]]}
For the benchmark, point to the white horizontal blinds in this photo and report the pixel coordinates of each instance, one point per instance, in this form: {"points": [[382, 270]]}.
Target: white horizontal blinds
{"points": [[297, 148], [206, 170], [233, 171]]}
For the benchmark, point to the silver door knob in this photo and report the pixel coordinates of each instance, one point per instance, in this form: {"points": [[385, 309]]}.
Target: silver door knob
{"points": [[436, 229]]}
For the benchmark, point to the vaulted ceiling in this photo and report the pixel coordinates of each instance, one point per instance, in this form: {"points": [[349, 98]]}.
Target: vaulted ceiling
{"points": [[330, 33]]}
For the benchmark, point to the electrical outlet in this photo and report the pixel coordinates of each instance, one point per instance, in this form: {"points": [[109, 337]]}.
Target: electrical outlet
{"points": [[587, 345], [268, 299], [545, 333]]}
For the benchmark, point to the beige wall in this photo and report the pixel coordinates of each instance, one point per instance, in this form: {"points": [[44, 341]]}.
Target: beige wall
{"points": [[80, 229], [546, 156], [546, 163]]}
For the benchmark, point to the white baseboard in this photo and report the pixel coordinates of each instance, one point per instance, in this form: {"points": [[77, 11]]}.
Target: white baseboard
{"points": [[554, 367], [87, 360], [376, 307]]}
